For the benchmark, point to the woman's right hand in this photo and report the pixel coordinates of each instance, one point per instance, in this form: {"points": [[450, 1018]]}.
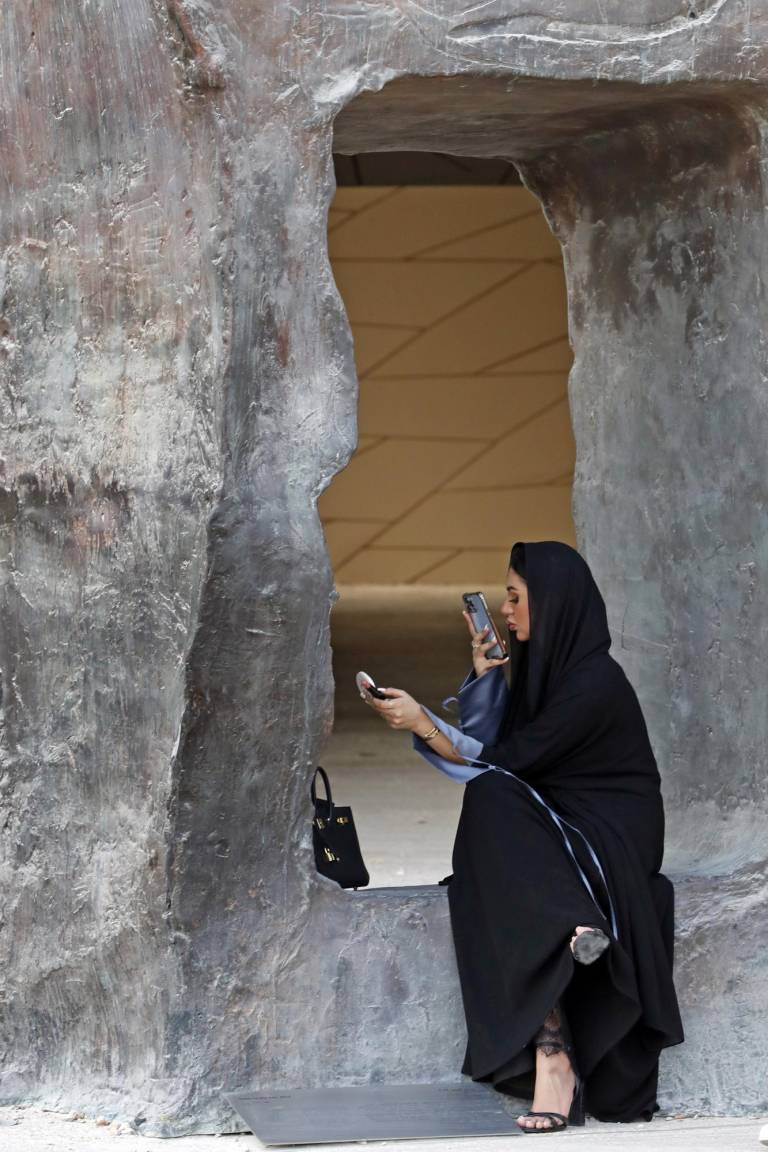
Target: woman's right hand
{"points": [[481, 662]]}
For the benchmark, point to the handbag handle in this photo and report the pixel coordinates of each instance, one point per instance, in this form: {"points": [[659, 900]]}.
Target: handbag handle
{"points": [[313, 790]]}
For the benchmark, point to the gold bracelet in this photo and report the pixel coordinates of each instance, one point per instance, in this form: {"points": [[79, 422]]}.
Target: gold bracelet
{"points": [[431, 734]]}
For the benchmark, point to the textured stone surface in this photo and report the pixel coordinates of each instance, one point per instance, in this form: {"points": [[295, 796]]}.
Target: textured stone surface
{"points": [[177, 388]]}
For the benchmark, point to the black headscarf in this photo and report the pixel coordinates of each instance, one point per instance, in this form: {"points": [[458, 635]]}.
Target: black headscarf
{"points": [[568, 623]]}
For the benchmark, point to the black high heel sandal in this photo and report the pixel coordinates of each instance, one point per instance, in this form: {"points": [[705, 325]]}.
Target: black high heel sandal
{"points": [[589, 945], [553, 1037], [575, 1117]]}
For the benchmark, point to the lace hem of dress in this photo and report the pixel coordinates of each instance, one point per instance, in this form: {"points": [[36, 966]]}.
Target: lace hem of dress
{"points": [[553, 1035]]}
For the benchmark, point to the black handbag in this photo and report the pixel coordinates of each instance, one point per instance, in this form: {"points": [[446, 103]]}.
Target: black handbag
{"points": [[334, 839]]}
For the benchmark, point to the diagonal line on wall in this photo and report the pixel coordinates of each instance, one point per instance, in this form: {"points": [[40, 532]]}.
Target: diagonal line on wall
{"points": [[419, 438], [473, 260], [381, 550], [377, 442], [558, 483], [471, 235], [438, 438], [513, 266], [412, 548], [536, 413], [523, 372], [354, 520], [412, 328], [341, 212], [393, 352], [446, 480], [559, 372], [562, 480], [453, 312], [513, 261], [354, 213], [436, 564], [488, 368]]}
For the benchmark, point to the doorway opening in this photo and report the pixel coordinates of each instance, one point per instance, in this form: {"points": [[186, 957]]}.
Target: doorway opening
{"points": [[454, 286]]}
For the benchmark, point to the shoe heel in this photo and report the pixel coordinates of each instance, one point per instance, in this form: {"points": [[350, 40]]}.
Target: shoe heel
{"points": [[576, 1118]]}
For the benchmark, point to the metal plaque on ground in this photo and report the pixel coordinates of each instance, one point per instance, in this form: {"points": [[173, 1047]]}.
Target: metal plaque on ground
{"points": [[374, 1112]]}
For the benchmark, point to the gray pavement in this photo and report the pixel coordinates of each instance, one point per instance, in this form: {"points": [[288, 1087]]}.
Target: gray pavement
{"points": [[33, 1130]]}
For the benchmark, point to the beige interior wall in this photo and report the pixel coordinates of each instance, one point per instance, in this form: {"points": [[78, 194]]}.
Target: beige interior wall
{"points": [[456, 297]]}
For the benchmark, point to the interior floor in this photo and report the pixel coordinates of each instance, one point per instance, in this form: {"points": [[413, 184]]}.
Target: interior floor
{"points": [[405, 811]]}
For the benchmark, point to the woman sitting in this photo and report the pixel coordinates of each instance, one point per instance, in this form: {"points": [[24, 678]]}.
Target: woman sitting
{"points": [[561, 920]]}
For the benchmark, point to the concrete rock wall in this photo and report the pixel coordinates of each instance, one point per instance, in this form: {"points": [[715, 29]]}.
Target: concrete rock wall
{"points": [[663, 226], [177, 388]]}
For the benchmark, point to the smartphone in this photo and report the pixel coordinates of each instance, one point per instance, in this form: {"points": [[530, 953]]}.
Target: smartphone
{"points": [[475, 604], [365, 685]]}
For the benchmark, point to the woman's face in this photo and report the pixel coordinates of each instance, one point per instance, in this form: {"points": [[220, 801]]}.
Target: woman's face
{"points": [[515, 606]]}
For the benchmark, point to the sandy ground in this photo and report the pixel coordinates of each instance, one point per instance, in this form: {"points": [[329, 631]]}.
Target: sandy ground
{"points": [[33, 1130]]}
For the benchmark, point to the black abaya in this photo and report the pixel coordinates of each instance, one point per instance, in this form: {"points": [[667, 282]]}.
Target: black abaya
{"points": [[574, 731]]}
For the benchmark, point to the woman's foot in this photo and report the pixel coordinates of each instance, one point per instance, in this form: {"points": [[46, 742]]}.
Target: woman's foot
{"points": [[555, 1085]]}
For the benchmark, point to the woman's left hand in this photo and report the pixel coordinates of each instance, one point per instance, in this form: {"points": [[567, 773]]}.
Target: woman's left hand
{"points": [[399, 709]]}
